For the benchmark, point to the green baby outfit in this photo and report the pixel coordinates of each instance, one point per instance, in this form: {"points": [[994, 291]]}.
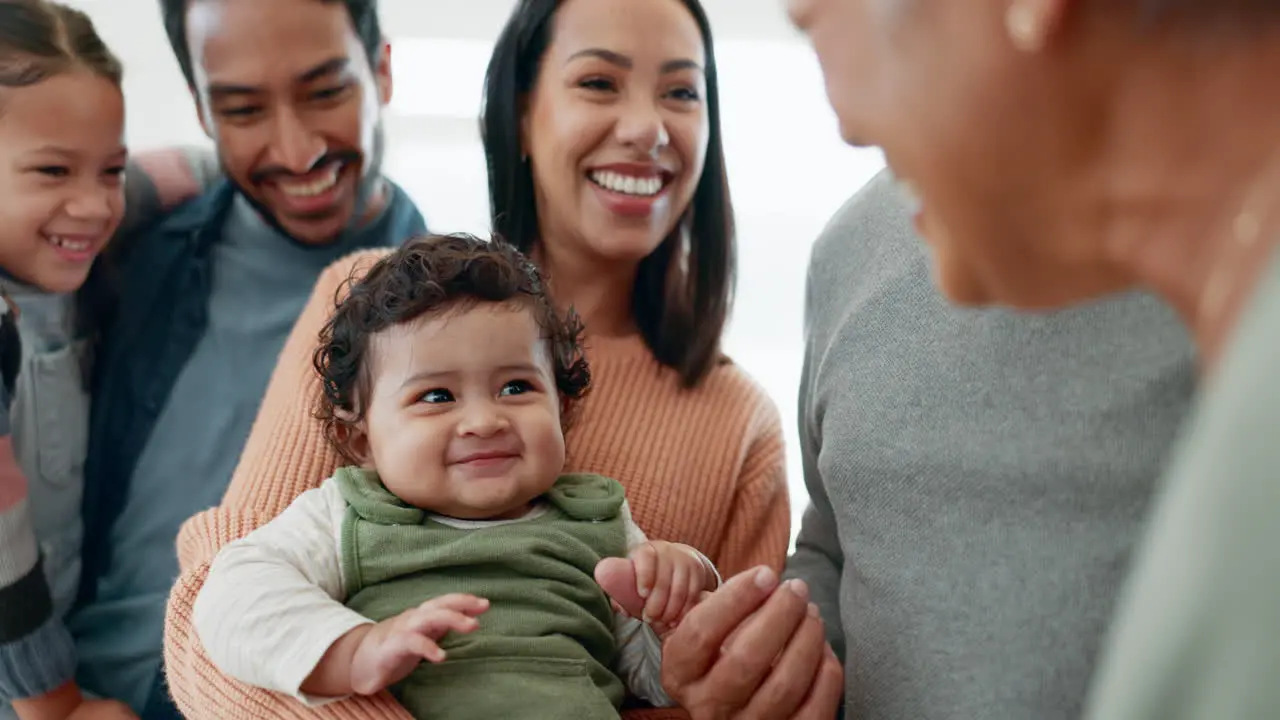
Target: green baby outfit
{"points": [[545, 647]]}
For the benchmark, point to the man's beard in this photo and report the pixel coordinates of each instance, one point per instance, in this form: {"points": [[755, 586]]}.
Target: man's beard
{"points": [[367, 189]]}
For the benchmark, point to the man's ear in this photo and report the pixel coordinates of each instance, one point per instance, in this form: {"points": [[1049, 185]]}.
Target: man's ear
{"points": [[382, 74], [202, 114]]}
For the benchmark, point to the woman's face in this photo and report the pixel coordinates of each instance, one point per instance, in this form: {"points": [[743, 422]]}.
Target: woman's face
{"points": [[616, 129], [990, 140]]}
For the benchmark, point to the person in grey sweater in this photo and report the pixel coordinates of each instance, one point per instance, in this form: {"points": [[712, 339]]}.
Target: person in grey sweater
{"points": [[977, 478], [977, 482]]}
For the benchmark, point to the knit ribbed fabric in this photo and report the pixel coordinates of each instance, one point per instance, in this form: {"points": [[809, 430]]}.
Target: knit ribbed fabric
{"points": [[38, 663], [704, 467]]}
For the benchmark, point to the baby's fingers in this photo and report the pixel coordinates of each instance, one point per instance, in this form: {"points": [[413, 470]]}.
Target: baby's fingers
{"points": [[435, 622], [682, 591], [412, 644], [645, 560], [458, 602]]}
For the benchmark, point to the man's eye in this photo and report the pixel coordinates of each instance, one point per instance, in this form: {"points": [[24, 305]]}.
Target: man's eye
{"points": [[328, 93]]}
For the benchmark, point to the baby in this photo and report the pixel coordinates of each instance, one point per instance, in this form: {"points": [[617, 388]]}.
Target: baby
{"points": [[453, 537]]}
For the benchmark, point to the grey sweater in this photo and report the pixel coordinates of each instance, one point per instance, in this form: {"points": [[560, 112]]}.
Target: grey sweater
{"points": [[978, 477]]}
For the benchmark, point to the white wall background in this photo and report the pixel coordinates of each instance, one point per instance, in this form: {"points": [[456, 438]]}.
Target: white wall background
{"points": [[788, 169]]}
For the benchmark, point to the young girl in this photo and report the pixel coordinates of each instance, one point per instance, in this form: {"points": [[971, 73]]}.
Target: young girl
{"points": [[62, 162], [453, 537]]}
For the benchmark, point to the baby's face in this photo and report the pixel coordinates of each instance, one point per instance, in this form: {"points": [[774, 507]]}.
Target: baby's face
{"points": [[463, 417]]}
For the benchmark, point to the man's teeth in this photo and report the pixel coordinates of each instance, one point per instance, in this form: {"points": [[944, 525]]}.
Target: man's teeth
{"points": [[627, 184], [313, 188], [67, 244]]}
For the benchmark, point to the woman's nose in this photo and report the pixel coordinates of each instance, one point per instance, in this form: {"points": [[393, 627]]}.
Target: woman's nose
{"points": [[642, 128]]}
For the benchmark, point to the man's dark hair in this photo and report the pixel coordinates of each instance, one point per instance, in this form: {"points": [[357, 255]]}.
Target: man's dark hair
{"points": [[364, 18], [426, 277], [680, 307]]}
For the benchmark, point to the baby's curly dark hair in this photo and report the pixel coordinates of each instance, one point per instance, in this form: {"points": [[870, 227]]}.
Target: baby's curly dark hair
{"points": [[429, 275]]}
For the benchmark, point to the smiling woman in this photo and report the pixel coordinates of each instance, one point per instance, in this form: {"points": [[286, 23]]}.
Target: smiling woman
{"points": [[605, 163]]}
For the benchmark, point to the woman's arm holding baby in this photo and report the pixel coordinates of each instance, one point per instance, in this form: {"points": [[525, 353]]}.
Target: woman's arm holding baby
{"points": [[272, 604], [271, 614], [286, 454]]}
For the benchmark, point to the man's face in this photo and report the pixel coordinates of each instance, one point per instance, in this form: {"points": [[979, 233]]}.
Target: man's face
{"points": [[286, 90]]}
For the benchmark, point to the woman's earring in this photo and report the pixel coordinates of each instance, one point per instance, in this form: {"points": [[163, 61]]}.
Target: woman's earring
{"points": [[1025, 22]]}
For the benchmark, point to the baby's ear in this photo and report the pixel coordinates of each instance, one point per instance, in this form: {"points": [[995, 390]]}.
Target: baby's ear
{"points": [[353, 439]]}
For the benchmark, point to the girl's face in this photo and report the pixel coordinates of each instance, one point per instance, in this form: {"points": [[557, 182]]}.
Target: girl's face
{"points": [[62, 161], [616, 128]]}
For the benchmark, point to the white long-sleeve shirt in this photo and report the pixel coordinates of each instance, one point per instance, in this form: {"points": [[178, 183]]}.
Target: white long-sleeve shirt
{"points": [[273, 602]]}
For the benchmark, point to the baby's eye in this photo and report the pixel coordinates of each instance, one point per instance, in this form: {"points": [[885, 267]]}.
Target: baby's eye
{"points": [[516, 387], [438, 395]]}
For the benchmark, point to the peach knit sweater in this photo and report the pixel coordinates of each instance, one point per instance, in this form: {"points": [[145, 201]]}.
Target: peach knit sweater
{"points": [[702, 467]]}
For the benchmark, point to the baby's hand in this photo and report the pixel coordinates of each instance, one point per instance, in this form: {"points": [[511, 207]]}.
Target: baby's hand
{"points": [[670, 578], [391, 649]]}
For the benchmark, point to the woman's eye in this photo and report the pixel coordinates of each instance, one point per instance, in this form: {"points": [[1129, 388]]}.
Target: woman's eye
{"points": [[57, 171], [685, 94], [516, 387], [599, 84], [439, 395]]}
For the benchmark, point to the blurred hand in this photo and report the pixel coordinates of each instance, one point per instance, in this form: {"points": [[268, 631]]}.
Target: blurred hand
{"points": [[753, 650], [102, 710], [171, 173]]}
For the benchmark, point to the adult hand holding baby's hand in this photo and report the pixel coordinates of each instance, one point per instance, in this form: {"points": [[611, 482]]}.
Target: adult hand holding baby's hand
{"points": [[371, 658], [659, 582]]}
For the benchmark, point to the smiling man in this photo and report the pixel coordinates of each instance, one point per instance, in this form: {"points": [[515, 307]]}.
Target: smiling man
{"points": [[291, 92]]}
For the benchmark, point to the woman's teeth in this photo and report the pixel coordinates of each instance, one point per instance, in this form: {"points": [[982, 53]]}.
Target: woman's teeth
{"points": [[627, 184]]}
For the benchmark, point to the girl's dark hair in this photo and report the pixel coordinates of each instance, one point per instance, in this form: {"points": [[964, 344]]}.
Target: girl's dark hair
{"points": [[428, 276], [39, 40], [681, 302]]}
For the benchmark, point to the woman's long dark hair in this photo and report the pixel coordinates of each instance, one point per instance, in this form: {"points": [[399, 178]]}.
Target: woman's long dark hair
{"points": [[39, 40], [680, 307]]}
